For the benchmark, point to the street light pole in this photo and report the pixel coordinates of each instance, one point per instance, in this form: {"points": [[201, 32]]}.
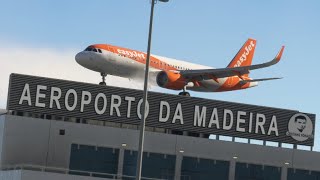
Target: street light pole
{"points": [[145, 94]]}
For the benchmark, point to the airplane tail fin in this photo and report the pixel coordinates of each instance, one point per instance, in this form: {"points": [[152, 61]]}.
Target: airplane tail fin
{"points": [[244, 55]]}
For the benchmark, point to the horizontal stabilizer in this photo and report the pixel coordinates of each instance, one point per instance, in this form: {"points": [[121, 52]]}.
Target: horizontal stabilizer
{"points": [[257, 80]]}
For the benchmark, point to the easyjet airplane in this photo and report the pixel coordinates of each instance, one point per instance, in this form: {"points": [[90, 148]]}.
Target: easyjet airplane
{"points": [[175, 74]]}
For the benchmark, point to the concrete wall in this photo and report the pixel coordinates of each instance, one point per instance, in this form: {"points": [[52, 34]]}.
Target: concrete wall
{"points": [[2, 120], [25, 141]]}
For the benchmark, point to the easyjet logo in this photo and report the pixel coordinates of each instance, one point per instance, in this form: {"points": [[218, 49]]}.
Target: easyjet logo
{"points": [[130, 53], [244, 55]]}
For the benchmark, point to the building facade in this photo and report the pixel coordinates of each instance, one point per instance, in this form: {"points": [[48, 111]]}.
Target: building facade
{"points": [[33, 145]]}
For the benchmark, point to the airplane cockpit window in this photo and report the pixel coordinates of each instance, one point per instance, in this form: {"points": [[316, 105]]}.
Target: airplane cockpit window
{"points": [[93, 49], [88, 49]]}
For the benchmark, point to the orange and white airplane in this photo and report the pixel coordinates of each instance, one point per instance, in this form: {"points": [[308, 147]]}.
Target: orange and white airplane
{"points": [[175, 74]]}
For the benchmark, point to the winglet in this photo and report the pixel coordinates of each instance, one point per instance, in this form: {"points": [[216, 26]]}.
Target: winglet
{"points": [[278, 57]]}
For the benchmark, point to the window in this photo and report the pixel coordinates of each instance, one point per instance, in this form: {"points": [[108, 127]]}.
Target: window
{"points": [[99, 50], [204, 169], [62, 132], [88, 49], [252, 171], [95, 50], [297, 174], [155, 165], [93, 159]]}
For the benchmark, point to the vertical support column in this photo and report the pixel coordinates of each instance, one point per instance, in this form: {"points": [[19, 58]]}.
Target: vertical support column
{"points": [[177, 169], [120, 163], [284, 173], [232, 169]]}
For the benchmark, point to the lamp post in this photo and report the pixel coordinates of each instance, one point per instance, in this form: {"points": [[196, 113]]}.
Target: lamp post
{"points": [[145, 94]]}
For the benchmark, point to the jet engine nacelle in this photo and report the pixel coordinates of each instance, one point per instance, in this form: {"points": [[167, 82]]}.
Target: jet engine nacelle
{"points": [[170, 80]]}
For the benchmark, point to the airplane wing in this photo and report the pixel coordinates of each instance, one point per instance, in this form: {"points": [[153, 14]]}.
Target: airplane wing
{"points": [[203, 74]]}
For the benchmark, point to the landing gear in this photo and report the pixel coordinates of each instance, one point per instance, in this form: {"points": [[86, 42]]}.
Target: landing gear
{"points": [[103, 79], [184, 92]]}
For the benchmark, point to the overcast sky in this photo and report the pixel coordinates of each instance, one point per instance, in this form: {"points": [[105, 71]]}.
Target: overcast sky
{"points": [[41, 37]]}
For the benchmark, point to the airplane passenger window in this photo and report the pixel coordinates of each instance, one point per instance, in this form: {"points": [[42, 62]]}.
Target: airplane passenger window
{"points": [[95, 50]]}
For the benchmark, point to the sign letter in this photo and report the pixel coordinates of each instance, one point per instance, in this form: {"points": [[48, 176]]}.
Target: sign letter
{"points": [[273, 126], [55, 98], [85, 101], [199, 119], [96, 102], [259, 124], [75, 99], [40, 95], [178, 114], [240, 121], [161, 118], [25, 95], [226, 113]]}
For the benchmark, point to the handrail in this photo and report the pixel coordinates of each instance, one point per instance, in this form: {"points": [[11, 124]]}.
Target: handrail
{"points": [[67, 171]]}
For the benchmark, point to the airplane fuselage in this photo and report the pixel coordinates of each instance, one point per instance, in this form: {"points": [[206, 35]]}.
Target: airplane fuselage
{"points": [[128, 63]]}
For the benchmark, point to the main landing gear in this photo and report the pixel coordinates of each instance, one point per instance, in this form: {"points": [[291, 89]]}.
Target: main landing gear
{"points": [[184, 92], [103, 79]]}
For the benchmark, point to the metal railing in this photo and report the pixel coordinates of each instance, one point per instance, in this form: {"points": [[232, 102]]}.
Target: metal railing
{"points": [[70, 171]]}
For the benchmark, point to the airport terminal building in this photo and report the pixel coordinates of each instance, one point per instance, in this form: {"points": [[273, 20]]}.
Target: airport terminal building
{"points": [[57, 129]]}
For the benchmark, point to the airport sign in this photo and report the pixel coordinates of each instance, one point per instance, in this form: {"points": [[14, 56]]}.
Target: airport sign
{"points": [[122, 105]]}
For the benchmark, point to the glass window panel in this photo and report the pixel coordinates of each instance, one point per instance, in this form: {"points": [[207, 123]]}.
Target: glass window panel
{"points": [[204, 169], [252, 171], [154, 165], [92, 159]]}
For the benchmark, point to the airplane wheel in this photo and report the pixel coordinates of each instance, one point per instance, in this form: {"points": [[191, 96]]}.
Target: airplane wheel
{"points": [[102, 83], [184, 94]]}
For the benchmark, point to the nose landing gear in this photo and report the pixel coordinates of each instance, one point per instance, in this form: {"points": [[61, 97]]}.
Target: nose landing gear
{"points": [[184, 92], [103, 79]]}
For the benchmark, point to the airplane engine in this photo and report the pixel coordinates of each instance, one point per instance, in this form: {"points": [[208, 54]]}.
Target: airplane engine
{"points": [[170, 80]]}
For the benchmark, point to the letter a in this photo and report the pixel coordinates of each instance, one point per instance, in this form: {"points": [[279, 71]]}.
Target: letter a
{"points": [[25, 95], [214, 119]]}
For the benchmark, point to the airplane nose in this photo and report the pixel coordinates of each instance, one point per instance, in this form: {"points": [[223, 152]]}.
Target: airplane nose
{"points": [[80, 58]]}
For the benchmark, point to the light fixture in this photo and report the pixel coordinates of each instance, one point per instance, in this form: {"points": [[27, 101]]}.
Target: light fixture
{"points": [[181, 151], [286, 163], [123, 144], [235, 157]]}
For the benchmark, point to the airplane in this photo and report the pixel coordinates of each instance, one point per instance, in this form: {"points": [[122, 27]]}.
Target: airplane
{"points": [[175, 74]]}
